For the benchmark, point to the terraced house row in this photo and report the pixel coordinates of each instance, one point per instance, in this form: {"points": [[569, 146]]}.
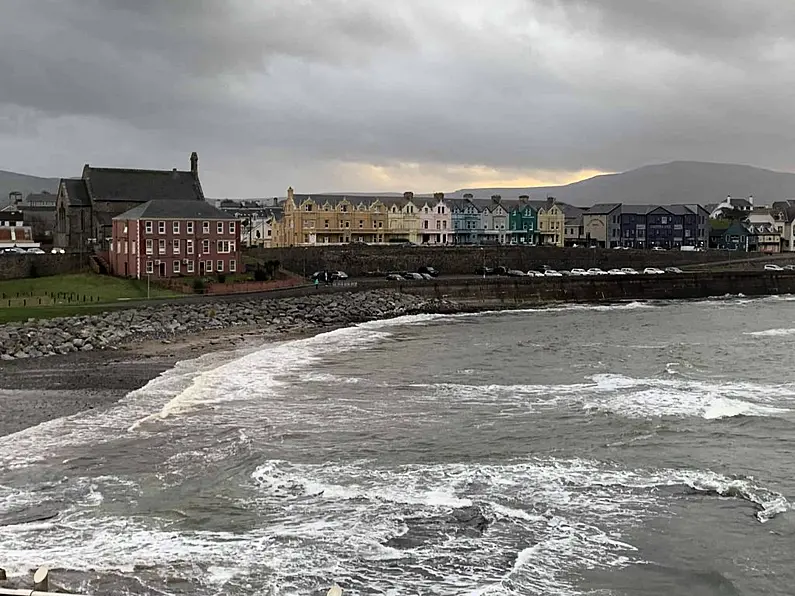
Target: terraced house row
{"points": [[334, 219]]}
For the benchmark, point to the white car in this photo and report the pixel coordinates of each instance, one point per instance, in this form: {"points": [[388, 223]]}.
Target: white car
{"points": [[532, 273], [35, 251], [653, 271], [771, 267], [629, 271], [596, 271], [552, 273], [616, 272], [579, 272], [58, 251], [15, 250]]}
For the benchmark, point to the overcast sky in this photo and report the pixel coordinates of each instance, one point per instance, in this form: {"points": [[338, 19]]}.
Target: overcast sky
{"points": [[370, 95]]}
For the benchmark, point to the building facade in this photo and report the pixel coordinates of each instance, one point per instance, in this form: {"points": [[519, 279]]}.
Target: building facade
{"points": [[174, 238], [551, 223], [436, 220], [602, 225], [523, 222], [85, 206]]}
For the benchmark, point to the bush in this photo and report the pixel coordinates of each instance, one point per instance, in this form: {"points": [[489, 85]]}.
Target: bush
{"points": [[221, 278], [260, 275], [198, 285]]}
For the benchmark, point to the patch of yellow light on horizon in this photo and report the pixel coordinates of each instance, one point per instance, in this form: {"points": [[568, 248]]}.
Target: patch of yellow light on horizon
{"points": [[433, 177]]}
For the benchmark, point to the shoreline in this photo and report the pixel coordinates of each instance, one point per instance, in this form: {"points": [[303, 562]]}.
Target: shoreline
{"points": [[38, 390]]}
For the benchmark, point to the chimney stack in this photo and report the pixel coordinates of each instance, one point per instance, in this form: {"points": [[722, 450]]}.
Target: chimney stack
{"points": [[439, 196], [751, 200], [408, 195], [194, 163]]}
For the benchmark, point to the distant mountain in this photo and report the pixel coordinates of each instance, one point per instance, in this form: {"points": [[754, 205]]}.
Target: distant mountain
{"points": [[10, 182], [675, 182]]}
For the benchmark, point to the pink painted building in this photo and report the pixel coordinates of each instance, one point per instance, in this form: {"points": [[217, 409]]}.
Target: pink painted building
{"points": [[171, 238]]}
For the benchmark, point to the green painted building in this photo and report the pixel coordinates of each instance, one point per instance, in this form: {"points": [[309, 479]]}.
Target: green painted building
{"points": [[523, 222]]}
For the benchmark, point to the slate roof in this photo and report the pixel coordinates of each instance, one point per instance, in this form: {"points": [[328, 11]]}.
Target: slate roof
{"points": [[41, 199], [603, 208], [740, 203], [140, 186], [76, 192], [172, 209]]}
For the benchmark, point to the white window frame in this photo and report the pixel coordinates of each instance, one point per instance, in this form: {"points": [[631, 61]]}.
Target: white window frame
{"points": [[205, 247], [220, 227], [150, 267], [190, 266], [219, 266], [175, 227], [232, 266], [175, 246], [205, 227], [231, 227], [161, 246], [175, 266], [149, 227], [189, 246], [189, 227], [150, 246], [161, 227], [208, 266]]}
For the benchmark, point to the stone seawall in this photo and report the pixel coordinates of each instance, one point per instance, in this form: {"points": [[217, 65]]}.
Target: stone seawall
{"points": [[357, 260], [37, 338], [523, 291], [22, 266]]}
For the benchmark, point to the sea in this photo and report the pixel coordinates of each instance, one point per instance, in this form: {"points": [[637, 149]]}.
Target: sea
{"points": [[641, 448]]}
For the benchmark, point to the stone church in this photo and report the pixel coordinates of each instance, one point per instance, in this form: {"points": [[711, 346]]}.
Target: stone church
{"points": [[85, 206]]}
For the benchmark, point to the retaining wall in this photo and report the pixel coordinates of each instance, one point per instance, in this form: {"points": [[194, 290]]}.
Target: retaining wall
{"points": [[22, 266], [361, 260]]}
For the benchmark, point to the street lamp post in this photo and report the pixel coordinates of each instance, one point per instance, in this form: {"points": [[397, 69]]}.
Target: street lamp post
{"points": [[483, 252]]}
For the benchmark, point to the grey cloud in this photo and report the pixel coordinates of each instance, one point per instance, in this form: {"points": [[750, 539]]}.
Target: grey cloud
{"points": [[290, 89]]}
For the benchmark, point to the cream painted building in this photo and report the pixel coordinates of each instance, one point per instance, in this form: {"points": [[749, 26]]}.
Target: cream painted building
{"points": [[436, 220]]}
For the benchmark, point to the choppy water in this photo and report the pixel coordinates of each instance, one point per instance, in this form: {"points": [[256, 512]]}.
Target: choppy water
{"points": [[628, 449]]}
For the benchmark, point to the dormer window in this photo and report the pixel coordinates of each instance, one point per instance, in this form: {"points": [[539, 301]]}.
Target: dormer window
{"points": [[308, 207]]}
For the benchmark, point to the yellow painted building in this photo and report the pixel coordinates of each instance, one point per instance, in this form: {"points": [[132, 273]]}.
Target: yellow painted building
{"points": [[551, 224], [335, 219]]}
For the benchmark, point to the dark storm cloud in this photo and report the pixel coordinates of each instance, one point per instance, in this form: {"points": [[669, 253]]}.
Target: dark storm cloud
{"points": [[522, 85]]}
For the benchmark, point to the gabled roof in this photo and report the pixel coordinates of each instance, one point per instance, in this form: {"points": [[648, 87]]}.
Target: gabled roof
{"points": [[603, 208], [40, 199], [175, 210], [76, 192], [140, 186]]}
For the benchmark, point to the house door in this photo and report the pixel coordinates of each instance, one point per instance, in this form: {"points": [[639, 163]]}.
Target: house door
{"points": [[162, 269], [125, 270], [201, 267]]}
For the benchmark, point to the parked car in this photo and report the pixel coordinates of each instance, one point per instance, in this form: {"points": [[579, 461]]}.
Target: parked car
{"points": [[596, 271], [673, 270], [484, 271], [58, 251], [771, 267], [429, 270], [417, 276], [35, 251], [395, 277], [339, 275], [426, 276], [616, 272], [328, 276], [579, 272], [532, 273], [516, 273], [652, 271], [789, 267], [552, 273], [501, 270], [14, 250], [629, 271]]}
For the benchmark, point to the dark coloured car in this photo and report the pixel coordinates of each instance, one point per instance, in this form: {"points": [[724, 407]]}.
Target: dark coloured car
{"points": [[484, 271], [429, 270]]}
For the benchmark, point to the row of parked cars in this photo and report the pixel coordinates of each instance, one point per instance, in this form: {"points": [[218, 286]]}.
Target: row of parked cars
{"points": [[593, 271], [18, 250], [772, 267], [426, 272]]}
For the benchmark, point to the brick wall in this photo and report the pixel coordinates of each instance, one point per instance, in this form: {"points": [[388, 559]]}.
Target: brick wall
{"points": [[20, 266], [361, 260]]}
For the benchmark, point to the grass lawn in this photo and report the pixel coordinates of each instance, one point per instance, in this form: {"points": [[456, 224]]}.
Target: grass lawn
{"points": [[62, 295]]}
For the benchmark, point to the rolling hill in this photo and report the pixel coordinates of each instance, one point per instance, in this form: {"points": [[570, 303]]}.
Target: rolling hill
{"points": [[674, 182], [10, 182]]}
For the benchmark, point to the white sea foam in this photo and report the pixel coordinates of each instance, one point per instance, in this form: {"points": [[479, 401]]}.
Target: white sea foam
{"points": [[782, 332]]}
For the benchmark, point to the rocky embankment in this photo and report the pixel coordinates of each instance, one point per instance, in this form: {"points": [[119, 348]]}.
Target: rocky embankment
{"points": [[48, 337]]}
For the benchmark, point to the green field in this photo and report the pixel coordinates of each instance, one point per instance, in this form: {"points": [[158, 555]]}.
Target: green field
{"points": [[63, 295]]}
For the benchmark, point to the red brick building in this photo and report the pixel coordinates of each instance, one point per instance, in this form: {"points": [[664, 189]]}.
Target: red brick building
{"points": [[174, 238]]}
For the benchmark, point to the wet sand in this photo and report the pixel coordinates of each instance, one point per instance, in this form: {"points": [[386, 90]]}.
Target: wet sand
{"points": [[41, 389]]}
